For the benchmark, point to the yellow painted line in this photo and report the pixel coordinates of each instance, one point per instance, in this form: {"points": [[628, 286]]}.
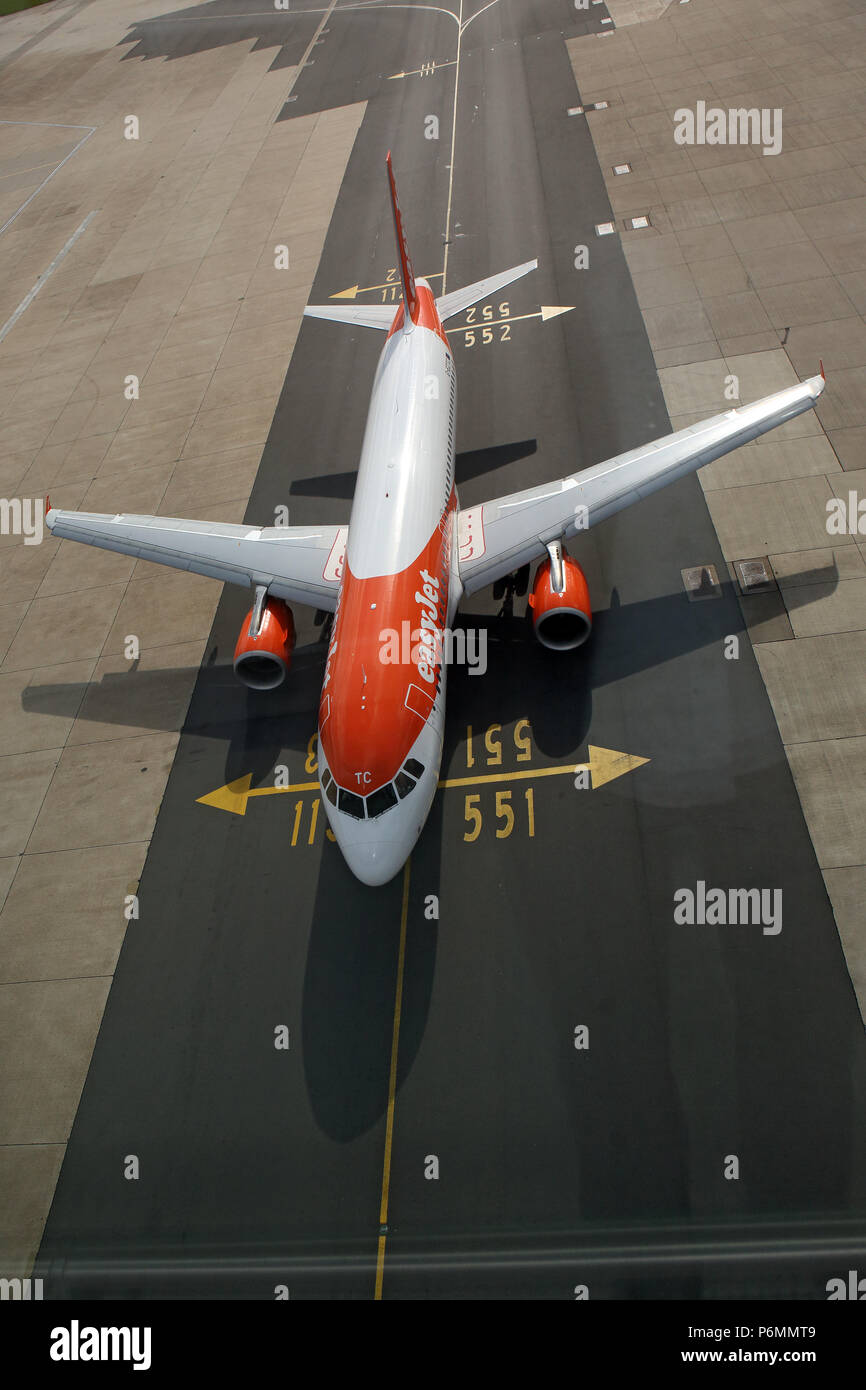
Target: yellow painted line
{"points": [[515, 776], [31, 169], [295, 787], [604, 765], [235, 795], [354, 290], [392, 1081], [380, 1266]]}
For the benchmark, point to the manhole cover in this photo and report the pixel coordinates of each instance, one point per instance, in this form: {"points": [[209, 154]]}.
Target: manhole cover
{"points": [[701, 581], [754, 575]]}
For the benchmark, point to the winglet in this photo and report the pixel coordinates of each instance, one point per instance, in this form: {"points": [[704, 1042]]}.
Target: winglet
{"points": [[407, 275], [821, 365]]}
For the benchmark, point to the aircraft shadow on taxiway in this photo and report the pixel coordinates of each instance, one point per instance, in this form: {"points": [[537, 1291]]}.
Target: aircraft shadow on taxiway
{"points": [[551, 689], [349, 982]]}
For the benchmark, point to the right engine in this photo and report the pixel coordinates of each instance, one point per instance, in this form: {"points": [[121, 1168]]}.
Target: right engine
{"points": [[561, 617], [263, 653]]}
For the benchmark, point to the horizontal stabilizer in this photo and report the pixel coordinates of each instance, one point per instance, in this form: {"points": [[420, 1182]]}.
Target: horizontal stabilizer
{"points": [[458, 300], [364, 315], [381, 316]]}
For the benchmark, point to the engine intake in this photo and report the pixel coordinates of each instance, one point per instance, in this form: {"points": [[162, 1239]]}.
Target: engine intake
{"points": [[561, 620], [262, 660]]}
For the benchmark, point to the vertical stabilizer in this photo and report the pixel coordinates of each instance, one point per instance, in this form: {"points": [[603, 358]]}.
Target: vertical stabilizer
{"points": [[407, 275]]}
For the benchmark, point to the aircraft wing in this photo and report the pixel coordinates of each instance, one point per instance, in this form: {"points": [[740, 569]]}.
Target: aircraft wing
{"points": [[300, 563], [500, 536]]}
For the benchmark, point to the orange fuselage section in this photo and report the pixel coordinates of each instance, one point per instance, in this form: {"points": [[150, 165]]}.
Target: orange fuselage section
{"points": [[384, 665]]}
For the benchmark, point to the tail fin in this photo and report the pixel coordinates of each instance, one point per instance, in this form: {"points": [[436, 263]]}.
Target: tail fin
{"points": [[407, 275]]}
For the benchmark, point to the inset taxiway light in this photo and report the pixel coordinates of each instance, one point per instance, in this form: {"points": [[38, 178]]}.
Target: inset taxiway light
{"points": [[701, 581], [622, 168], [637, 223], [598, 106], [604, 228], [754, 576], [575, 110], [607, 21]]}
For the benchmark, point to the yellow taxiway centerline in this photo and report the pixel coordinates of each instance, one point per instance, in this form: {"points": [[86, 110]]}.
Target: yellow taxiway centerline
{"points": [[392, 1084]]}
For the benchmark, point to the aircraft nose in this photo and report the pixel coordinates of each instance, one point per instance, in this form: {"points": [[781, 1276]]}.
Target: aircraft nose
{"points": [[375, 863]]}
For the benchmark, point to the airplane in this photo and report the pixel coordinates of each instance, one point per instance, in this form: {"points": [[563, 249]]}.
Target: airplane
{"points": [[408, 556]]}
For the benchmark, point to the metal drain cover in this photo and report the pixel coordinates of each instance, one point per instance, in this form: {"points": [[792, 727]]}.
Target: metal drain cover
{"points": [[754, 576], [701, 581]]}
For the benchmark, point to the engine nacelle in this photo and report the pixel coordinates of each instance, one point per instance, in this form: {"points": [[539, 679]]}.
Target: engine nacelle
{"points": [[561, 621], [262, 662]]}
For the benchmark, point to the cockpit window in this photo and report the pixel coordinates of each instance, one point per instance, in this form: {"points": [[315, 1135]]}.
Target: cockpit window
{"points": [[352, 805], [380, 801], [404, 784]]}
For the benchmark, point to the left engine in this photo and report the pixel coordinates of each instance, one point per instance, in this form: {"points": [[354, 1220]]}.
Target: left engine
{"points": [[561, 613], [263, 653]]}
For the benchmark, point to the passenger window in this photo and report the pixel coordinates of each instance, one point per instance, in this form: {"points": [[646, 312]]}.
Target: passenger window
{"points": [[381, 801]]}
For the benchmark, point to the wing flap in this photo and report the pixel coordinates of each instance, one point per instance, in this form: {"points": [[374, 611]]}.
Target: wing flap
{"points": [[299, 563], [504, 534]]}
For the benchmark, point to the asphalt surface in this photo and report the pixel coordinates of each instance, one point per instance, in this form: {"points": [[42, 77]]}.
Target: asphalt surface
{"points": [[557, 1167]]}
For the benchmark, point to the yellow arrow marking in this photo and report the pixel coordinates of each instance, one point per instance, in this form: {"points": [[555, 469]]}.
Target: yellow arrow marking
{"points": [[604, 765], [235, 795], [354, 290], [547, 311]]}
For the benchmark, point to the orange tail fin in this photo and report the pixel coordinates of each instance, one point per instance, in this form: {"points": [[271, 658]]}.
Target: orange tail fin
{"points": [[407, 275]]}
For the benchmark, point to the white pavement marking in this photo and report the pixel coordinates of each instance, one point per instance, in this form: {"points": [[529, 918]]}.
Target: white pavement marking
{"points": [[292, 14], [31, 294], [461, 27], [377, 5], [58, 126], [326, 15], [480, 12], [451, 161]]}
